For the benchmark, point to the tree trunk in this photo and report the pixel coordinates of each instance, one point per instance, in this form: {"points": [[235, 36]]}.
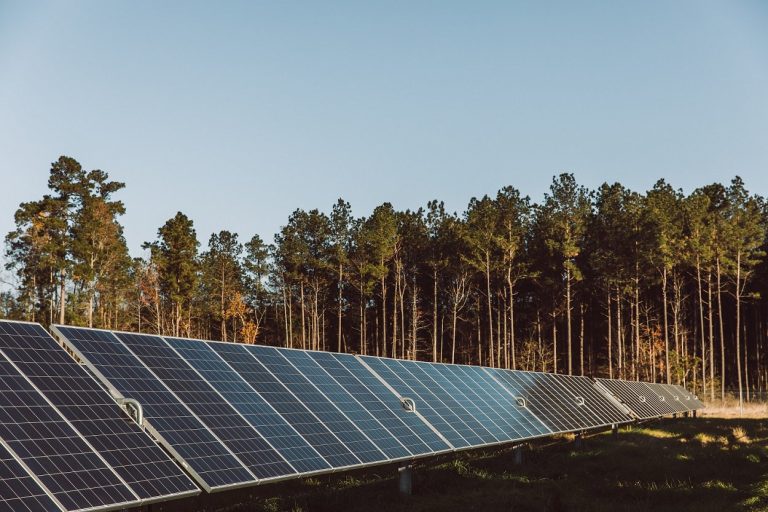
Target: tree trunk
{"points": [[581, 339], [339, 333], [610, 333], [490, 307], [722, 331], [666, 325], [434, 316], [738, 328], [701, 328], [568, 319], [711, 337]]}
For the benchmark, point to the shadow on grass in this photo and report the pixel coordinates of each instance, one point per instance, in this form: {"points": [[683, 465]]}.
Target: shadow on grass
{"points": [[701, 465]]}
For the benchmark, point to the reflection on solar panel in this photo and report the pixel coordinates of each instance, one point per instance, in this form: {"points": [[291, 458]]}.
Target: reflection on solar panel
{"points": [[599, 408], [19, 492], [211, 464], [147, 470]]}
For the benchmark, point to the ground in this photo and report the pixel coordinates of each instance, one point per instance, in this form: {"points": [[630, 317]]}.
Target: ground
{"points": [[685, 464]]}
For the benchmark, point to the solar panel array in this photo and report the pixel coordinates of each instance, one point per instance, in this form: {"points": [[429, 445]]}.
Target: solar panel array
{"points": [[231, 415]]}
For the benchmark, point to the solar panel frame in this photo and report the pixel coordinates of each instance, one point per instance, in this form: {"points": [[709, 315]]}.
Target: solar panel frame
{"points": [[51, 429], [163, 427], [692, 400], [80, 398], [673, 396], [658, 399]]}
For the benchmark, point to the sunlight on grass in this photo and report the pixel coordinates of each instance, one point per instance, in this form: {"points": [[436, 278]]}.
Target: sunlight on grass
{"points": [[657, 433]]}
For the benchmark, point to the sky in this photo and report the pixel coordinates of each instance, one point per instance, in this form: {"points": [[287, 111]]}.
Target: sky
{"points": [[237, 113]]}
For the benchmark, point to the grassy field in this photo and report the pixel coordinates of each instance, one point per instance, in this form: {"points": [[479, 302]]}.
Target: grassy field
{"points": [[686, 464]]}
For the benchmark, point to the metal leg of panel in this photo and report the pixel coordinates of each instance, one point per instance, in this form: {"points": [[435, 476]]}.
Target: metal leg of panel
{"points": [[406, 479], [579, 441], [694, 413], [615, 430], [518, 454]]}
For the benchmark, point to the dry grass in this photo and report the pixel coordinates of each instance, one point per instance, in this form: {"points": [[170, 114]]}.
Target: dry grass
{"points": [[730, 410]]}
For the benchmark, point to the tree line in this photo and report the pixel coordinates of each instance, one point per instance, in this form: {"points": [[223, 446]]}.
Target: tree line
{"points": [[659, 286]]}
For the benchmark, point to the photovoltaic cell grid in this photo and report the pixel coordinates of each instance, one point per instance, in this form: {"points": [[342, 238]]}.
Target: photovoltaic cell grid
{"points": [[210, 462], [634, 397], [223, 420], [278, 413], [136, 458], [51, 448], [19, 492]]}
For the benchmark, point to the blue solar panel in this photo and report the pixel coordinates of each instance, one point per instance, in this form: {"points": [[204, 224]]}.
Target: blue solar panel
{"points": [[208, 405], [52, 450], [273, 427], [19, 492], [287, 404], [471, 415], [325, 411], [209, 461], [413, 432], [373, 429], [427, 404], [143, 465]]}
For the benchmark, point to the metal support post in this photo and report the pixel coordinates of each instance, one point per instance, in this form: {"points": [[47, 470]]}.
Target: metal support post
{"points": [[406, 479], [518, 454]]}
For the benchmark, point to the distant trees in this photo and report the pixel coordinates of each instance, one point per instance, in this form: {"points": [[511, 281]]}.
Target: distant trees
{"points": [[655, 285]]}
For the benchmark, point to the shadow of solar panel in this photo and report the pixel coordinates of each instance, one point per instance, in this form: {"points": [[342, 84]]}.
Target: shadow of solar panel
{"points": [[212, 465], [259, 413], [76, 476], [143, 465], [19, 492], [287, 404]]}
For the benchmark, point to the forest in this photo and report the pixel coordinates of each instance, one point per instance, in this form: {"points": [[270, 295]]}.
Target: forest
{"points": [[657, 285]]}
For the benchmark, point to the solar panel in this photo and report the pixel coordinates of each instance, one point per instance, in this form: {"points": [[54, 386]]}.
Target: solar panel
{"points": [[691, 400], [632, 396], [259, 413], [437, 413], [673, 397], [208, 405], [371, 427], [547, 401], [409, 427], [658, 399], [143, 465], [202, 454], [521, 421], [602, 410], [19, 491], [76, 476], [287, 404]]}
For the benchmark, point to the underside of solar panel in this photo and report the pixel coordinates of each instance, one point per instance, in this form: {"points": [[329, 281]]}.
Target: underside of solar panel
{"points": [[216, 416]]}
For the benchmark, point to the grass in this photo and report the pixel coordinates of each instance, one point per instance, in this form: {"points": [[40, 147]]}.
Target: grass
{"points": [[685, 464]]}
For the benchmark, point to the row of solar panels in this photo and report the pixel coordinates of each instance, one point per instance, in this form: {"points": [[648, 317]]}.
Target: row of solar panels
{"points": [[234, 415]]}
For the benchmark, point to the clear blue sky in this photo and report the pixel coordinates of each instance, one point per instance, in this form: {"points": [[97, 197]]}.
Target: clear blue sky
{"points": [[238, 113]]}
